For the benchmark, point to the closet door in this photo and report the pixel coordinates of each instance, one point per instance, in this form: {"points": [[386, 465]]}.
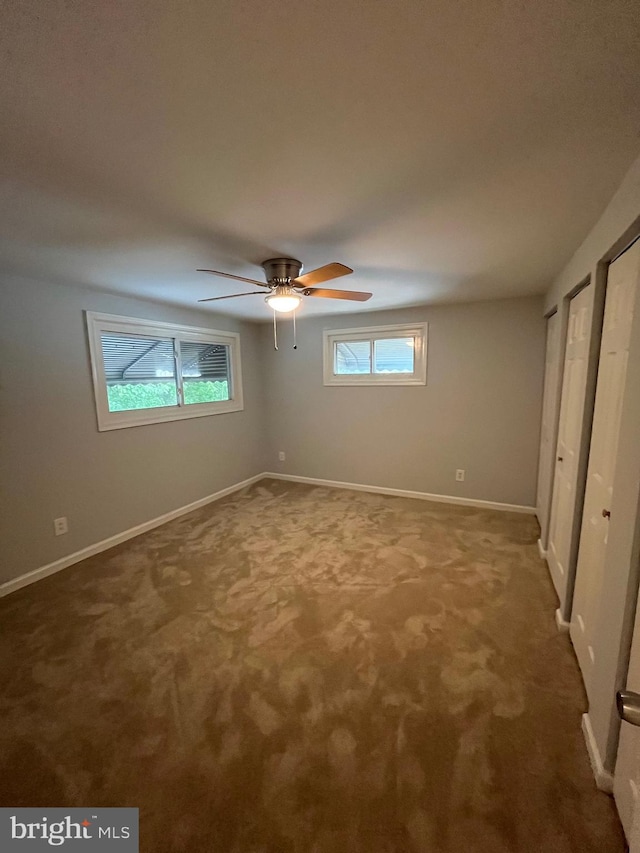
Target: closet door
{"points": [[545, 465], [574, 380], [622, 285], [626, 778]]}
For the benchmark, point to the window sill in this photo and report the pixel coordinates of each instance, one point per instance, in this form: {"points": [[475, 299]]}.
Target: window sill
{"points": [[121, 420], [371, 380]]}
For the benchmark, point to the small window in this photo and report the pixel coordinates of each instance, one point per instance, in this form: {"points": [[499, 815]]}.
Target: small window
{"points": [[145, 372], [381, 355]]}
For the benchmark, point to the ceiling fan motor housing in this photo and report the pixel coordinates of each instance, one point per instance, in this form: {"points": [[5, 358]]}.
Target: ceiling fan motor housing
{"points": [[281, 270]]}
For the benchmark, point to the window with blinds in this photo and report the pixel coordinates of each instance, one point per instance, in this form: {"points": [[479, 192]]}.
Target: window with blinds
{"points": [[147, 372], [381, 355]]}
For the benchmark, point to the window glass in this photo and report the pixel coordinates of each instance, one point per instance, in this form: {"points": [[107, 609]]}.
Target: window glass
{"points": [[352, 357], [205, 372], [140, 372], [393, 355]]}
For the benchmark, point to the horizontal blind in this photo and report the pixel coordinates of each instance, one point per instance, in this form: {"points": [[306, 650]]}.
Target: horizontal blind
{"points": [[135, 358], [204, 361], [393, 355]]}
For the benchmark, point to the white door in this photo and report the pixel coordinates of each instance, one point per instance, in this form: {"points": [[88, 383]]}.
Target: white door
{"points": [[634, 838], [574, 379], [622, 283], [626, 779], [545, 464]]}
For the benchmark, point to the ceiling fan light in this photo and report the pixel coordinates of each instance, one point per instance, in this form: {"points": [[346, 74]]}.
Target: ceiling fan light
{"points": [[283, 303]]}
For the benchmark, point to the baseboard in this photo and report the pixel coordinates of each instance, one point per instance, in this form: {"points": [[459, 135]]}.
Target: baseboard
{"points": [[404, 493], [563, 626], [541, 551], [57, 566], [604, 779]]}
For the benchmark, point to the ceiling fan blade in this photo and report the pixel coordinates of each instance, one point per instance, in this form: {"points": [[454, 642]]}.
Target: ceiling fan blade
{"points": [[353, 295], [232, 296], [236, 277], [325, 273]]}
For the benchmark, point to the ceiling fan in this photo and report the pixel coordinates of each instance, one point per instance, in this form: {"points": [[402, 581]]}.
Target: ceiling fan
{"points": [[287, 286]]}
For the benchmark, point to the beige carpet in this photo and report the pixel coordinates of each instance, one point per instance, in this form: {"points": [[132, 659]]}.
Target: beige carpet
{"points": [[305, 670]]}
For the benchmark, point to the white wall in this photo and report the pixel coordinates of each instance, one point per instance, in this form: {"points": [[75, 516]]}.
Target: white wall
{"points": [[480, 409], [620, 214], [619, 223], [53, 460]]}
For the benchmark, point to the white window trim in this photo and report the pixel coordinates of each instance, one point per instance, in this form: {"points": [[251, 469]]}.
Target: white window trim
{"points": [[371, 333], [98, 323]]}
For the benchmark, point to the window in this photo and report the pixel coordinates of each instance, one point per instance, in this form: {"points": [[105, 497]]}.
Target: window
{"points": [[146, 372], [380, 355]]}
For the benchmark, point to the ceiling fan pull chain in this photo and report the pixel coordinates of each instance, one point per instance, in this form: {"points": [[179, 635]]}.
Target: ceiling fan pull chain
{"points": [[295, 342], [275, 331]]}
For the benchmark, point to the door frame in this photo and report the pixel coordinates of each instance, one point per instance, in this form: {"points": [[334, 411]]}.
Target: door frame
{"points": [[563, 322]]}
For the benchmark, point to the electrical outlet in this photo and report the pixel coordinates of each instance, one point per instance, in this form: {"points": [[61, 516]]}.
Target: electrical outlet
{"points": [[460, 475], [60, 526], [281, 456]]}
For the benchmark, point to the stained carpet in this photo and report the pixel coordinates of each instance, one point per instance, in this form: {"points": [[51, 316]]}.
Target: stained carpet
{"points": [[304, 670]]}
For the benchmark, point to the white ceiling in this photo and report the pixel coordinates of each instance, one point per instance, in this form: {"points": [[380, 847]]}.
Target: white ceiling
{"points": [[445, 150]]}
